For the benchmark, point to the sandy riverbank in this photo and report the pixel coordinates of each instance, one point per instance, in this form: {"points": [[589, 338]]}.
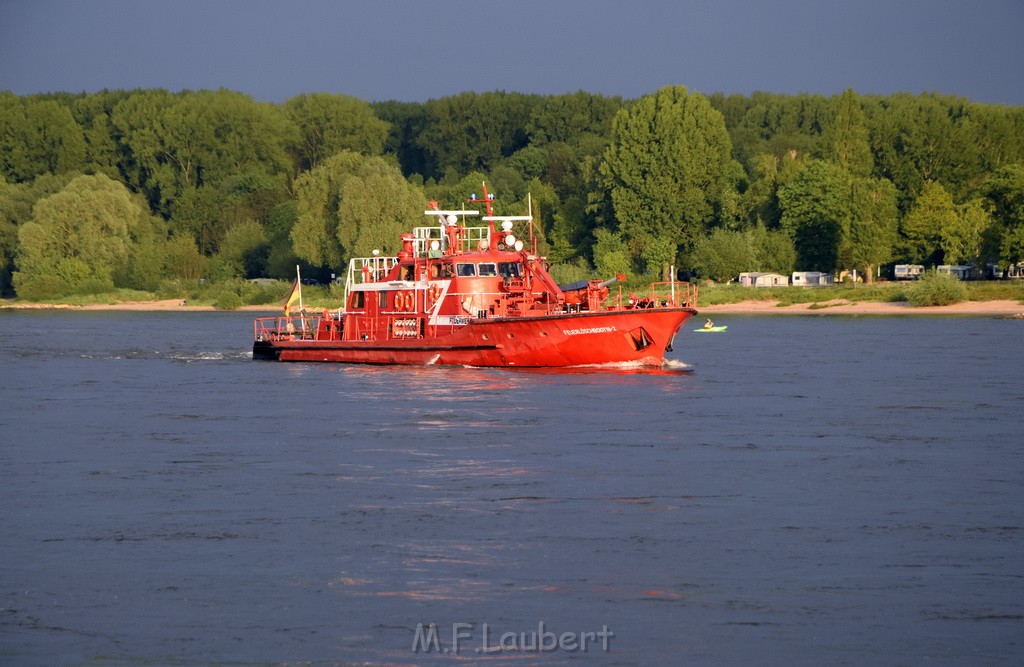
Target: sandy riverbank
{"points": [[836, 307], [162, 305], [843, 307]]}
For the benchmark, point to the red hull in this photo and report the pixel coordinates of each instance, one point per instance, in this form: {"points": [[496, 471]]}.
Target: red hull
{"points": [[580, 339]]}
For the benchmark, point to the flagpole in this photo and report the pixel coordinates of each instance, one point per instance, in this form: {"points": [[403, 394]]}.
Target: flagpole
{"points": [[302, 309]]}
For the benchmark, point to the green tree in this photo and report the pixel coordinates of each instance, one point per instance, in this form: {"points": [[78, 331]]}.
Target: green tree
{"points": [[86, 238], [8, 234], [38, 136], [815, 206], [147, 254], [472, 131], [406, 121], [723, 255], [759, 202], [281, 257], [183, 260], [847, 138], [1004, 193], [245, 249], [573, 172], [377, 207], [195, 212], [669, 172], [351, 205], [209, 211], [328, 124], [183, 142], [960, 239], [922, 138], [871, 232], [1011, 248], [779, 125], [571, 118], [996, 135], [451, 193], [773, 250], [93, 113], [611, 256], [16, 202], [933, 210]]}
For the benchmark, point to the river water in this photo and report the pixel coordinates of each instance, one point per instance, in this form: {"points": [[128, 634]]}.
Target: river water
{"points": [[797, 490]]}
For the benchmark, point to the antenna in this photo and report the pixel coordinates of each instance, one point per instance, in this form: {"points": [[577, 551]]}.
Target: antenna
{"points": [[529, 209]]}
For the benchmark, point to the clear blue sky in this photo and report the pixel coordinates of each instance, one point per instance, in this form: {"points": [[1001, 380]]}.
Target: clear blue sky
{"points": [[414, 50]]}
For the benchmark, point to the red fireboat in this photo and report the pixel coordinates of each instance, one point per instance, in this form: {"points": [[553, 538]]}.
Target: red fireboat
{"points": [[476, 296]]}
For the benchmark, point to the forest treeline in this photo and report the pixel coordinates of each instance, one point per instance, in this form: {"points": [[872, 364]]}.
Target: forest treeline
{"points": [[149, 189]]}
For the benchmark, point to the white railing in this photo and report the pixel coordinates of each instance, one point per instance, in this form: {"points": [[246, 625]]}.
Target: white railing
{"points": [[423, 236], [367, 270]]}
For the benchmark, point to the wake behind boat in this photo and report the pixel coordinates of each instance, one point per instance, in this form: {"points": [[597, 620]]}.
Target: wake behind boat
{"points": [[476, 296]]}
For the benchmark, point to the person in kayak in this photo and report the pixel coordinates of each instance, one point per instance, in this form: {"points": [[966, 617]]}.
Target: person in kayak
{"points": [[708, 324]]}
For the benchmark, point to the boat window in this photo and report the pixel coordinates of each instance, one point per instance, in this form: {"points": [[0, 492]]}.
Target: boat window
{"points": [[382, 300], [358, 299], [465, 269], [487, 270], [510, 270]]}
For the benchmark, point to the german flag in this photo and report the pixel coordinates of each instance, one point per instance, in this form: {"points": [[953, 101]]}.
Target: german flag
{"points": [[293, 296]]}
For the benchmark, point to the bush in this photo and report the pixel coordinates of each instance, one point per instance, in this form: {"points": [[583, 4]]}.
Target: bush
{"points": [[936, 289], [228, 300], [570, 272]]}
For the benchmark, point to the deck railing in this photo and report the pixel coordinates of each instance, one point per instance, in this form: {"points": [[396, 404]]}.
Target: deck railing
{"points": [[295, 327], [470, 238]]}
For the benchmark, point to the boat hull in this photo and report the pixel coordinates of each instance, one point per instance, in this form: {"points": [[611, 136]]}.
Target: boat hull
{"points": [[634, 336]]}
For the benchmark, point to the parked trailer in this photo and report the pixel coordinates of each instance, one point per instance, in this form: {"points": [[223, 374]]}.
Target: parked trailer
{"points": [[908, 271]]}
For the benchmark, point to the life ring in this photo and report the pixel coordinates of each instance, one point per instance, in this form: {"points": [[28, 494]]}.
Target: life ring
{"points": [[399, 300], [435, 291], [410, 301]]}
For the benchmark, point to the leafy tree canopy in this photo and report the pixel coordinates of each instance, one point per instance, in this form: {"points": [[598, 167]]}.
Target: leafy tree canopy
{"points": [[669, 172], [933, 210], [328, 124], [815, 207], [351, 205], [85, 238]]}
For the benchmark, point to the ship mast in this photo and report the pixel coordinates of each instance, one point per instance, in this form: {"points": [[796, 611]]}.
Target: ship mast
{"points": [[488, 204], [490, 217]]}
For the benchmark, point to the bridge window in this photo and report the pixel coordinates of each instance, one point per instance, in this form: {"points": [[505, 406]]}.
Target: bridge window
{"points": [[357, 300], [510, 270], [487, 270], [382, 300], [465, 270]]}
